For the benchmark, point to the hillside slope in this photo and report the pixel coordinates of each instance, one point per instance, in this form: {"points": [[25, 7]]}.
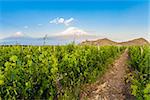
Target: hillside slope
{"points": [[105, 41]]}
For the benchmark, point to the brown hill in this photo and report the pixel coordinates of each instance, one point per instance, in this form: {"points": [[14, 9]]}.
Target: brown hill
{"points": [[105, 41], [139, 41]]}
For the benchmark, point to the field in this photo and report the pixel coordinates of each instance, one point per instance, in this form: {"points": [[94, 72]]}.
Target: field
{"points": [[74, 50], [140, 76], [60, 72]]}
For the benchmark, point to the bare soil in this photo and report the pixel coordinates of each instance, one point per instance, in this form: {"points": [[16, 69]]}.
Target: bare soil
{"points": [[111, 86]]}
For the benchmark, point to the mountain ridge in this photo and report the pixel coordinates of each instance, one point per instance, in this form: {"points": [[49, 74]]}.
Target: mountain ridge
{"points": [[106, 41]]}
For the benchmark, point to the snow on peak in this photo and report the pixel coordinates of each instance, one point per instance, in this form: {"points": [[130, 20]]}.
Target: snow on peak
{"points": [[18, 34], [74, 31]]}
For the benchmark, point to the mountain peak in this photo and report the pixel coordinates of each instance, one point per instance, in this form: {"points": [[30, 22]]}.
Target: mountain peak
{"points": [[105, 41], [74, 31], [138, 41], [18, 34]]}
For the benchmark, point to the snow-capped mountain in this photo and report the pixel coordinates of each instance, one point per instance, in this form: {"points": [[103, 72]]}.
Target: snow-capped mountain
{"points": [[74, 33], [67, 36], [18, 36]]}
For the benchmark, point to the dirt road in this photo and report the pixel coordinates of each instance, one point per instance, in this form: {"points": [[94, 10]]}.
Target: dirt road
{"points": [[111, 86]]}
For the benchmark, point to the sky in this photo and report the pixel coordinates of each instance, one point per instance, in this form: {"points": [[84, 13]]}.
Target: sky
{"points": [[115, 19]]}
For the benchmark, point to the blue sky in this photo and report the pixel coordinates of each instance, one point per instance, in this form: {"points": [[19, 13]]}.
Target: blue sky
{"points": [[115, 19]]}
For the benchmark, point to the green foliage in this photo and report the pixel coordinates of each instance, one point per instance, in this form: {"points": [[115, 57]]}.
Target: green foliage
{"points": [[51, 72], [147, 92], [140, 62]]}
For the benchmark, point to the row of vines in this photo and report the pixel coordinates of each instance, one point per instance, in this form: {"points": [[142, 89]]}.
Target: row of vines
{"points": [[51, 72], [140, 65]]}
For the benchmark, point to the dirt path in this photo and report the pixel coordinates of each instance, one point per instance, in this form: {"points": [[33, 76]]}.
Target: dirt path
{"points": [[111, 86]]}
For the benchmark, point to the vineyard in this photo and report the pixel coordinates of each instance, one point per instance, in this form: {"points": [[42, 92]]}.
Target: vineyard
{"points": [[140, 76], [58, 72], [49, 72]]}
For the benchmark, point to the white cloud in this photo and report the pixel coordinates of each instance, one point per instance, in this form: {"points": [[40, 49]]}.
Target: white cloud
{"points": [[54, 21], [67, 22], [61, 20], [26, 27]]}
